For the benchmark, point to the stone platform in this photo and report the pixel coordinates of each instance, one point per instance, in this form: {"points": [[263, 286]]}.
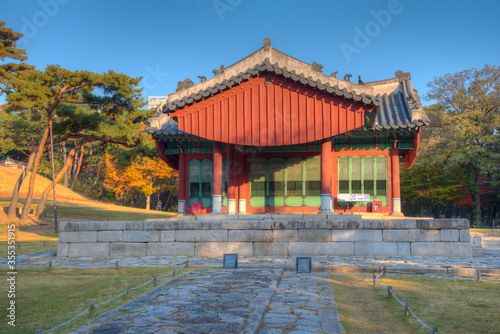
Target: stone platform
{"points": [[267, 235]]}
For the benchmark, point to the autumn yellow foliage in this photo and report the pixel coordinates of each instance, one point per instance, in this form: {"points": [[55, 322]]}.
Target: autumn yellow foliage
{"points": [[144, 174]]}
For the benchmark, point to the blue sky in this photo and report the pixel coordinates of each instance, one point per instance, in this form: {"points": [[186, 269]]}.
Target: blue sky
{"points": [[168, 41]]}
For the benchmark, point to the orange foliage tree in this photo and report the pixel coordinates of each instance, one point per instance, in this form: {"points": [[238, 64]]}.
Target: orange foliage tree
{"points": [[147, 175]]}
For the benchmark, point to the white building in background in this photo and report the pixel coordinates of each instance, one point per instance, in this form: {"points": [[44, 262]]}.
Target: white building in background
{"points": [[155, 101]]}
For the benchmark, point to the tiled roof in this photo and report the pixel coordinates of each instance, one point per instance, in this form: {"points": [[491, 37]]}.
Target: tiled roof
{"points": [[396, 111], [396, 103], [164, 125], [266, 66]]}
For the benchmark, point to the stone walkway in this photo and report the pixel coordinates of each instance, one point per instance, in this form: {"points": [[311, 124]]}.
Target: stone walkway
{"points": [[268, 301], [302, 303]]}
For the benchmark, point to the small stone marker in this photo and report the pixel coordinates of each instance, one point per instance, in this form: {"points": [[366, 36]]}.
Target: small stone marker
{"points": [[303, 265], [230, 261]]}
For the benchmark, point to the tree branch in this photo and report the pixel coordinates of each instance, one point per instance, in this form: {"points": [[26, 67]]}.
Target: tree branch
{"points": [[90, 137]]}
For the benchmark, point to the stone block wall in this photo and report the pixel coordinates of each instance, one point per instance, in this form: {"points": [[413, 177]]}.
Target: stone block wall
{"points": [[252, 235]]}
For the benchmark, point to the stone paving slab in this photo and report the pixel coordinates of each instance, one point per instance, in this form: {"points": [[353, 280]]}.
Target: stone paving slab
{"points": [[247, 301], [206, 301], [302, 303]]}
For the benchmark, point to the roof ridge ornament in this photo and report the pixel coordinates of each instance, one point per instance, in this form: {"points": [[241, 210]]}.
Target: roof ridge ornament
{"points": [[317, 67], [334, 74], [181, 85], [347, 77], [360, 82], [221, 69], [267, 44], [403, 75]]}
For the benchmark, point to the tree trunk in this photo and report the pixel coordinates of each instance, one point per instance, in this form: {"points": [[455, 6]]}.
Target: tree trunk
{"points": [[167, 202], [102, 193], [79, 165], [71, 156], [148, 202], [96, 178], [29, 198], [65, 155], [73, 167], [477, 198], [15, 193]]}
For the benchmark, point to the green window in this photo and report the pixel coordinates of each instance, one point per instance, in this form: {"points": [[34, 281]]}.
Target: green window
{"points": [[294, 177], [344, 184], [381, 176], [258, 171], [200, 182], [313, 177], [363, 175], [280, 182], [276, 177], [194, 179], [206, 178]]}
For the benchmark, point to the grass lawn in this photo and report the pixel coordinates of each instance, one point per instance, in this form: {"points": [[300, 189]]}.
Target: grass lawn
{"points": [[45, 299], [485, 230], [9, 177], [455, 306], [43, 229], [29, 247]]}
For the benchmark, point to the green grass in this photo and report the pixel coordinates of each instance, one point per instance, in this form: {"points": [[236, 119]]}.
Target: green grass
{"points": [[93, 211], [28, 247], [44, 228], [485, 230], [47, 298], [455, 306]]}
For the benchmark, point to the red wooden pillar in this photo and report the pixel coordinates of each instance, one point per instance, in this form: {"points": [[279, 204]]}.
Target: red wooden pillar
{"points": [[335, 176], [230, 175], [326, 175], [242, 184], [396, 197], [217, 181], [181, 202]]}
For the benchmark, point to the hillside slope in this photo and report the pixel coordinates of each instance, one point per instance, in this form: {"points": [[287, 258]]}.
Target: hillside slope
{"points": [[9, 176]]}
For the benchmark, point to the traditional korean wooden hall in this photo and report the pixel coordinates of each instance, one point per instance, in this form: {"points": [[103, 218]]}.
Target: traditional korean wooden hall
{"points": [[271, 133]]}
